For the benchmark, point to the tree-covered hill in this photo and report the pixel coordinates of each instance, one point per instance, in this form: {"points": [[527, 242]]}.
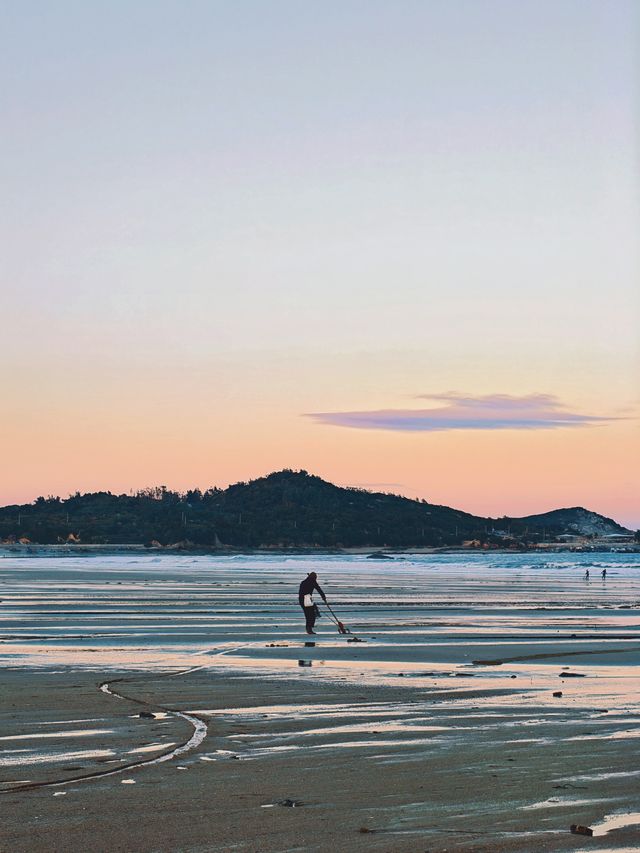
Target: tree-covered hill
{"points": [[286, 509], [574, 520]]}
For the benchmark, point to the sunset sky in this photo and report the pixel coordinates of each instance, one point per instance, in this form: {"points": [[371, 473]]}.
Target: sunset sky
{"points": [[392, 243]]}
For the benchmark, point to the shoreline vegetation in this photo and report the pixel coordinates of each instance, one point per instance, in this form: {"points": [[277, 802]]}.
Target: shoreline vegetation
{"points": [[290, 512]]}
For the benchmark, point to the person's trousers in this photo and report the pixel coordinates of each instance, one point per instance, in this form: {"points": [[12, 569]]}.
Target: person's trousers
{"points": [[310, 617]]}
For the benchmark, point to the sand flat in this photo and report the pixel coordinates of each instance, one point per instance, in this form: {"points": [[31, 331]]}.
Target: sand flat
{"points": [[439, 732]]}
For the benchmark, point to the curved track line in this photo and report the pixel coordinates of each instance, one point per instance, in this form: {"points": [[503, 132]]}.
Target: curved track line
{"points": [[197, 736], [200, 728]]}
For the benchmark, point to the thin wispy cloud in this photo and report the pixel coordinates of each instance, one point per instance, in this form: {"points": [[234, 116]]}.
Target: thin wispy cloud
{"points": [[461, 411]]}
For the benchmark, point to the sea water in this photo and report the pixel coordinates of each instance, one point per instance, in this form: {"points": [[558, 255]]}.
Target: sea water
{"points": [[462, 615]]}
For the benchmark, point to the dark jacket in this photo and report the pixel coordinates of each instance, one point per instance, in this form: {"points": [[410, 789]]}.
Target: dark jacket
{"points": [[307, 587]]}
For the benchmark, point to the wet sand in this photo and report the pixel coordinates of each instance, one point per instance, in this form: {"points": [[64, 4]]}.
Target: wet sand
{"points": [[400, 743], [417, 770]]}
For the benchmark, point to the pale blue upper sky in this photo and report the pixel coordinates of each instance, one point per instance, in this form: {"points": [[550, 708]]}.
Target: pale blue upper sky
{"points": [[223, 163]]}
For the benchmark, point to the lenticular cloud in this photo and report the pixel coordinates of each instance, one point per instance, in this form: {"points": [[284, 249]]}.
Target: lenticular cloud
{"points": [[458, 411]]}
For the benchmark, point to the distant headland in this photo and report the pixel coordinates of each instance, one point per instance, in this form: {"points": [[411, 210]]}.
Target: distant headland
{"points": [[290, 510]]}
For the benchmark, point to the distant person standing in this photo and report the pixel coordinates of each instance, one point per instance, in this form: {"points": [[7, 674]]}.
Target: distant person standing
{"points": [[586, 575], [305, 597], [603, 574]]}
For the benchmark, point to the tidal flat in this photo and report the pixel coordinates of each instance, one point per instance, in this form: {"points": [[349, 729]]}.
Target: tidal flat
{"points": [[441, 730]]}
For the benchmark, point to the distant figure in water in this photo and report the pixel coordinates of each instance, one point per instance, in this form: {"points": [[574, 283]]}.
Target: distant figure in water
{"points": [[305, 593], [586, 575], [604, 574]]}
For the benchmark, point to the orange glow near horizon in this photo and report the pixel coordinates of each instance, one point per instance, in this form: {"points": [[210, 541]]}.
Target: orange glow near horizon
{"points": [[485, 472]]}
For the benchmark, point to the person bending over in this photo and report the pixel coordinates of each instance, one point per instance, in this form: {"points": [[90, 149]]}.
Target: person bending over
{"points": [[305, 597]]}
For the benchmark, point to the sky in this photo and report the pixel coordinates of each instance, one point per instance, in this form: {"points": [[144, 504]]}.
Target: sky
{"points": [[393, 244]]}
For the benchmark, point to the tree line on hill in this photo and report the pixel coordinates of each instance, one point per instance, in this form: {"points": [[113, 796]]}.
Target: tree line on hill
{"points": [[286, 509]]}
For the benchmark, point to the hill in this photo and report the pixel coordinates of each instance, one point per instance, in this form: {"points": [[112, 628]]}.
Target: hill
{"points": [[576, 520], [286, 509]]}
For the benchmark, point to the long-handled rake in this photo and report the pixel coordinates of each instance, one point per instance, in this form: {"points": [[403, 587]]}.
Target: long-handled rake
{"points": [[341, 628]]}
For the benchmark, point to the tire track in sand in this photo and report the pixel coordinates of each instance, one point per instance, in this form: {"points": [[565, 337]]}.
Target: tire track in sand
{"points": [[200, 729]]}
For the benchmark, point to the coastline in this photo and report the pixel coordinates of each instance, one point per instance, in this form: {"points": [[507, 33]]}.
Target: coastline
{"points": [[89, 550]]}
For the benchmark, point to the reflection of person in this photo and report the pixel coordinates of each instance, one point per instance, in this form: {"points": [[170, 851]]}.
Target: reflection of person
{"points": [[305, 597], [603, 573], [586, 575]]}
